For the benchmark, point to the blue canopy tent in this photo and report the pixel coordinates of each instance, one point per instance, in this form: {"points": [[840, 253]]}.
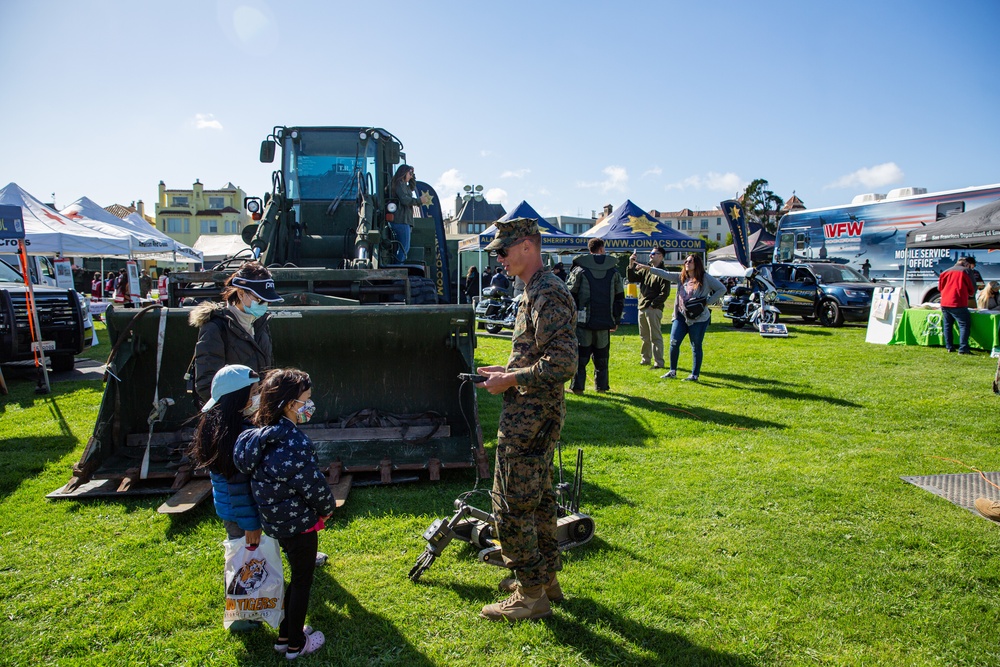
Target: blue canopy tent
{"points": [[629, 229], [553, 238]]}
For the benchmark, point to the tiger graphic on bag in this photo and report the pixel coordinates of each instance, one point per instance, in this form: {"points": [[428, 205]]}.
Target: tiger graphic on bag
{"points": [[250, 577]]}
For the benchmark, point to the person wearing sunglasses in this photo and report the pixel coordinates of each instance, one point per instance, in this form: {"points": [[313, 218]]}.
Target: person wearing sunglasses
{"points": [[696, 291], [542, 359], [653, 293], [234, 331]]}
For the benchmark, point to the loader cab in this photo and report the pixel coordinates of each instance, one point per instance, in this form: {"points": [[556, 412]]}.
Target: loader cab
{"points": [[325, 172]]}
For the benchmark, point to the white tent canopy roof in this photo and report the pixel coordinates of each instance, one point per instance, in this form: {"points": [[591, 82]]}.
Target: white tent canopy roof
{"points": [[147, 242], [217, 247], [721, 268], [49, 233]]}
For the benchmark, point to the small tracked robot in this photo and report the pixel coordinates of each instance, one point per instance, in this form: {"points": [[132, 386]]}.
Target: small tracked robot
{"points": [[478, 528]]}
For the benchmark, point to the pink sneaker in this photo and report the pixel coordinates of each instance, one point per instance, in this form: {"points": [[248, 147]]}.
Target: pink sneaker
{"points": [[313, 643], [282, 647]]}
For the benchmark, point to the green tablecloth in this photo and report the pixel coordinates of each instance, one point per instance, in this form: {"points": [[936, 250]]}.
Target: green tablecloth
{"points": [[920, 326]]}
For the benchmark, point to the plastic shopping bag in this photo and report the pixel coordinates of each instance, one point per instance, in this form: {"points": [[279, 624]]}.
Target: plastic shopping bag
{"points": [[255, 588]]}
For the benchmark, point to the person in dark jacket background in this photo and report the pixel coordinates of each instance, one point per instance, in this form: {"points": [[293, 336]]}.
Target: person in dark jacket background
{"points": [[500, 280], [291, 493], [234, 331], [559, 271], [472, 283], [599, 292], [653, 293]]}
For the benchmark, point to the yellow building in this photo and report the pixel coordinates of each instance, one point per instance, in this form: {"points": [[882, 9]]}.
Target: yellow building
{"points": [[184, 215]]}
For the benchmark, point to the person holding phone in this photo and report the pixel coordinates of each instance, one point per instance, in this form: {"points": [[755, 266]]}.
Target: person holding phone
{"points": [[404, 184], [696, 291], [543, 358]]}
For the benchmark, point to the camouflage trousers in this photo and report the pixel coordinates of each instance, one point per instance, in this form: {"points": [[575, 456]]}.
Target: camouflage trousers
{"points": [[525, 502]]}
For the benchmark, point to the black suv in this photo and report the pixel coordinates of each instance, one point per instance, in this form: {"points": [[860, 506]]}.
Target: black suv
{"points": [[831, 292], [61, 316]]}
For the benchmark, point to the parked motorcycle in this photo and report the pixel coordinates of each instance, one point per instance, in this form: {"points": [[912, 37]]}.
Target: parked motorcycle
{"points": [[496, 309], [751, 303]]}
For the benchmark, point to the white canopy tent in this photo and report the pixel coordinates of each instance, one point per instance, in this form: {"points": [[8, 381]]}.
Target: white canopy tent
{"points": [[145, 241], [185, 253], [216, 247], [721, 268], [50, 233]]}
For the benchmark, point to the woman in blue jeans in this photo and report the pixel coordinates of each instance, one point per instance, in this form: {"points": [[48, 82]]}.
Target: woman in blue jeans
{"points": [[692, 283]]}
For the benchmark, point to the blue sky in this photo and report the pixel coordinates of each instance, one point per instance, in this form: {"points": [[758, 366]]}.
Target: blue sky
{"points": [[569, 105]]}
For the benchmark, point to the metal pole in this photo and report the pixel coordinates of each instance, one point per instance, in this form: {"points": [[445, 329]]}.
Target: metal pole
{"points": [[36, 329]]}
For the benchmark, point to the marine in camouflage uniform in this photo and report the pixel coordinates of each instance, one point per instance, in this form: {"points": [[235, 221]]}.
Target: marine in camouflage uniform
{"points": [[543, 358]]}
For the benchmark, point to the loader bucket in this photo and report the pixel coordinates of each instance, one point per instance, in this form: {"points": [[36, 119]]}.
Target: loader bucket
{"points": [[384, 383]]}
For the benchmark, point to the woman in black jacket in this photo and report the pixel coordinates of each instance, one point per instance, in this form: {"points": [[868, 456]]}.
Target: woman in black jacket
{"points": [[472, 283], [234, 331]]}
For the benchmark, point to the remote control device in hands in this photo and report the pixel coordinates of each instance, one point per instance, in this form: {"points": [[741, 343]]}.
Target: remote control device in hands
{"points": [[472, 377]]}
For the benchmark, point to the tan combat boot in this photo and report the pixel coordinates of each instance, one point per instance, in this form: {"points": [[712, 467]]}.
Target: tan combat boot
{"points": [[525, 604], [552, 589], [988, 508]]}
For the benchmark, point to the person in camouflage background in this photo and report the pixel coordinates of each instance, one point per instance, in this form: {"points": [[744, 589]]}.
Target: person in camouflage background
{"points": [[543, 358]]}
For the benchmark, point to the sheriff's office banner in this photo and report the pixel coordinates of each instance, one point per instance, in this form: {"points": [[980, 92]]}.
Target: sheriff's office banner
{"points": [[430, 207], [738, 225]]}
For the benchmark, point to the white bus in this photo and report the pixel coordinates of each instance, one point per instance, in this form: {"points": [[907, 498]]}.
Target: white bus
{"points": [[869, 234]]}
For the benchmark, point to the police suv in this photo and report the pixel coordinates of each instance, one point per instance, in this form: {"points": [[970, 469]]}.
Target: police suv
{"points": [[831, 292]]}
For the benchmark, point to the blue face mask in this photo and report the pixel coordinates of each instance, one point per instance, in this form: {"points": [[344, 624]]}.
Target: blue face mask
{"points": [[257, 309]]}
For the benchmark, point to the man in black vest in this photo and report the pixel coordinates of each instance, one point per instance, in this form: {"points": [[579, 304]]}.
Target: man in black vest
{"points": [[599, 292]]}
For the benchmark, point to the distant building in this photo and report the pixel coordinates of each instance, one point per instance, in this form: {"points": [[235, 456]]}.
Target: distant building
{"points": [[120, 211], [793, 204], [571, 224], [709, 225], [473, 217], [184, 215]]}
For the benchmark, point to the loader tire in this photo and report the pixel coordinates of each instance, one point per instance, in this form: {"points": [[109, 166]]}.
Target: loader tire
{"points": [[422, 291]]}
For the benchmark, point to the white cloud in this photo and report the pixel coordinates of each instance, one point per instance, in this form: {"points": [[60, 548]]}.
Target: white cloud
{"points": [[869, 177], [617, 179], [516, 173], [728, 182], [496, 196], [206, 121], [485, 153], [449, 183], [652, 171]]}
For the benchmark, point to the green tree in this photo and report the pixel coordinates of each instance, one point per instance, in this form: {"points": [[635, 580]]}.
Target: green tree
{"points": [[761, 205]]}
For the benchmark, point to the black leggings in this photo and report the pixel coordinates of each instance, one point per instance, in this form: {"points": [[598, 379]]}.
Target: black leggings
{"points": [[301, 554]]}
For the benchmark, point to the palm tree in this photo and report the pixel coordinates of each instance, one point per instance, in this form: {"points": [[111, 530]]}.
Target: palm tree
{"points": [[761, 205]]}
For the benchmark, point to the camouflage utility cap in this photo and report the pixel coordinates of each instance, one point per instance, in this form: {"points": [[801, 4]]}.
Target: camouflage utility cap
{"points": [[510, 232]]}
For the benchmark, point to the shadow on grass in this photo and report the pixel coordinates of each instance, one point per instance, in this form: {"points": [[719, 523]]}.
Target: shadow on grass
{"points": [[610, 409], [24, 458], [777, 389], [620, 641], [354, 634], [605, 637]]}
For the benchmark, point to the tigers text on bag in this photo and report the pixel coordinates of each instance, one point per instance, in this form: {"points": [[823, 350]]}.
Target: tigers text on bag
{"points": [[255, 589]]}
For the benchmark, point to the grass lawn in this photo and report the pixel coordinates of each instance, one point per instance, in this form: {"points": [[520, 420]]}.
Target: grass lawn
{"points": [[755, 518]]}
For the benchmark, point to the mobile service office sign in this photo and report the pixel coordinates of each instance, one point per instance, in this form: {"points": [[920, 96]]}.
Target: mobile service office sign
{"points": [[11, 223]]}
